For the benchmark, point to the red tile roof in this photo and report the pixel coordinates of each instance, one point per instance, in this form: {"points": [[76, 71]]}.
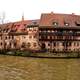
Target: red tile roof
{"points": [[26, 22], [18, 25], [48, 18]]}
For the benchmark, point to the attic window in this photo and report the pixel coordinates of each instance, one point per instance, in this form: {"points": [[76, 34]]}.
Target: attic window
{"points": [[34, 22], [77, 23], [66, 24], [54, 23]]}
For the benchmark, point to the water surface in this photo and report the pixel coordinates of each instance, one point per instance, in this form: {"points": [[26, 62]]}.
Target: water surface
{"points": [[26, 68]]}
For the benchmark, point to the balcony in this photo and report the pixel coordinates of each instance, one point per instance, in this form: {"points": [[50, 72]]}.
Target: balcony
{"points": [[18, 33], [60, 33], [65, 39]]}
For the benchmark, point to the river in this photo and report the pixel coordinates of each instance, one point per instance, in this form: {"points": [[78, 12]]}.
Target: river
{"points": [[27, 68]]}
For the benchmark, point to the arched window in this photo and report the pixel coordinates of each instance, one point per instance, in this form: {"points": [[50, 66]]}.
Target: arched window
{"points": [[23, 45]]}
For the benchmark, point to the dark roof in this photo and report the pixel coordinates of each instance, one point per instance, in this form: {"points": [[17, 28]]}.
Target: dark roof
{"points": [[27, 22], [48, 18]]}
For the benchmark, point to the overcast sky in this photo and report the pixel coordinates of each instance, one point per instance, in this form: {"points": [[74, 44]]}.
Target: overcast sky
{"points": [[32, 9]]}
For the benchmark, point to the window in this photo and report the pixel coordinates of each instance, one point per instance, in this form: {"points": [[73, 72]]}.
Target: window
{"points": [[23, 45], [34, 22], [77, 43], [15, 44], [35, 30], [58, 49], [12, 37], [4, 30], [28, 44], [24, 24], [7, 30], [40, 31], [34, 44], [54, 23], [24, 29], [54, 44], [77, 23], [1, 43], [53, 37], [69, 44], [48, 31], [45, 31], [35, 36], [74, 43], [48, 44], [9, 37], [63, 43], [57, 43], [74, 49], [66, 24], [1, 37], [48, 37], [24, 37], [10, 44], [69, 49], [39, 37], [52, 30], [6, 37], [5, 44], [30, 29], [30, 36]]}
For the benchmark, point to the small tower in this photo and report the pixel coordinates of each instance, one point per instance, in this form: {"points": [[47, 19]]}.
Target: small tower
{"points": [[21, 23], [22, 17]]}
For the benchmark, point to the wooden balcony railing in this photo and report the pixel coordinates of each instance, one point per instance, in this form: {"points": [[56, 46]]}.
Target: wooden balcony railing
{"points": [[46, 39], [60, 33]]}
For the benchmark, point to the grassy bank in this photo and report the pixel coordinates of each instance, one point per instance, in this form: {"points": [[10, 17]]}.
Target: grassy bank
{"points": [[41, 54]]}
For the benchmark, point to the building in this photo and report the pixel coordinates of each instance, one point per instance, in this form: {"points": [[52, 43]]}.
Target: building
{"points": [[59, 32], [52, 32], [21, 35]]}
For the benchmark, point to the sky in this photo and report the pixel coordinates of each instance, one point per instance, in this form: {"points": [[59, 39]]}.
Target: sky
{"points": [[12, 10]]}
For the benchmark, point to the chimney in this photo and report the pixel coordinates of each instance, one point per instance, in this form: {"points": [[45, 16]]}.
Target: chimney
{"points": [[73, 13], [52, 12]]}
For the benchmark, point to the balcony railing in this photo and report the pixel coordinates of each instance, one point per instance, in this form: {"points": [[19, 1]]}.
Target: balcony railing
{"points": [[46, 39], [18, 33], [60, 33]]}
